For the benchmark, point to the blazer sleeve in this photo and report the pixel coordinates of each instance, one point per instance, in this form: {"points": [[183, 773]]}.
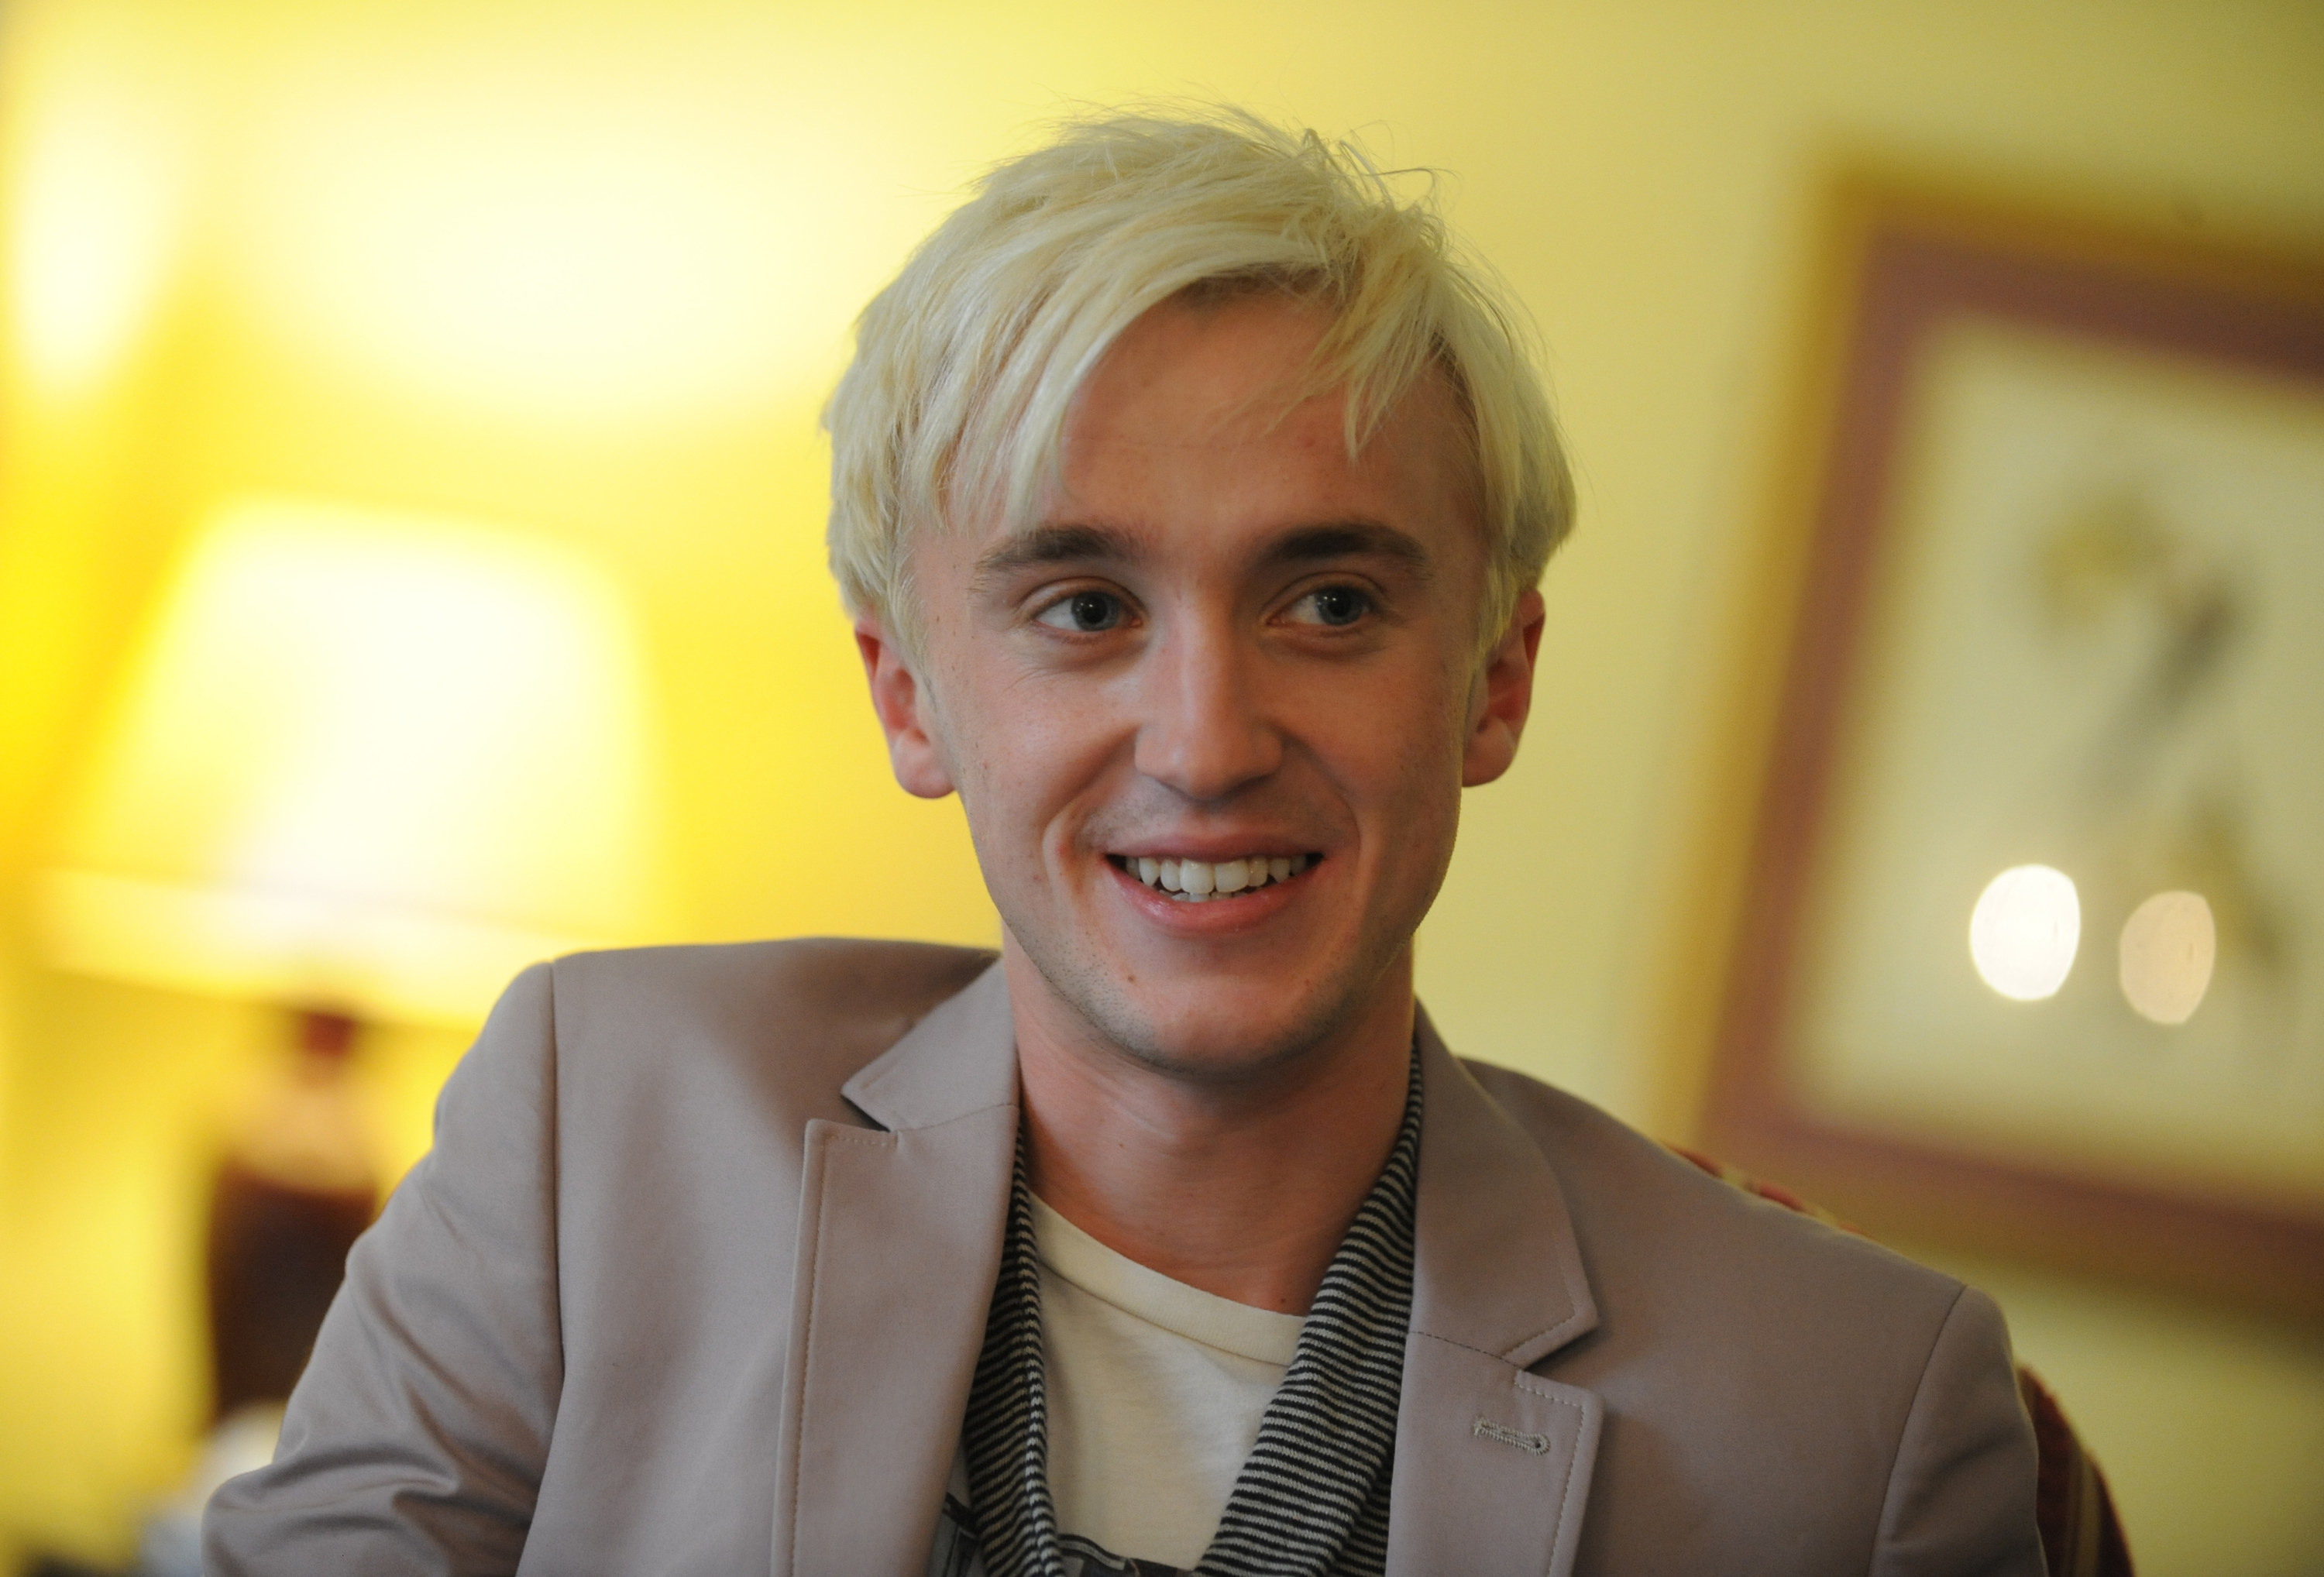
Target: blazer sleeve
{"points": [[415, 1440], [1961, 1495]]}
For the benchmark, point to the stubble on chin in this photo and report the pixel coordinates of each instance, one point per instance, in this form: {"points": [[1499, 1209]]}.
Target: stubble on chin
{"points": [[1112, 1018]]}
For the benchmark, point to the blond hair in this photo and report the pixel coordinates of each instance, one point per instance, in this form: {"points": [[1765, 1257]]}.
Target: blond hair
{"points": [[966, 364]]}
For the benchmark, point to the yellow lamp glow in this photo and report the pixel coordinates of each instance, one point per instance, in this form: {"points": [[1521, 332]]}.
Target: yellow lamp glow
{"points": [[375, 761], [559, 243], [98, 188]]}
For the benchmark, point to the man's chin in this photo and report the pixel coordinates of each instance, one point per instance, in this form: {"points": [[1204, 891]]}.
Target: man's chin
{"points": [[1205, 1058], [1201, 1027]]}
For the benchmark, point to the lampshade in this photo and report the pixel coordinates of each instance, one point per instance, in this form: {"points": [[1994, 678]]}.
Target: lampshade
{"points": [[369, 760]]}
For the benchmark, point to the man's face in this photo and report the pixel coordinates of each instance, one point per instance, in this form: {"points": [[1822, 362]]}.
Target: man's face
{"points": [[1225, 656]]}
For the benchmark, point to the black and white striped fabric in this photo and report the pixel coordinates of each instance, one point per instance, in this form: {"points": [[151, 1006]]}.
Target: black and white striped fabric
{"points": [[1312, 1500]]}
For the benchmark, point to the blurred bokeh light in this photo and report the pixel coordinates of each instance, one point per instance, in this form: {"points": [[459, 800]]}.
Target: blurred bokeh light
{"points": [[2169, 946], [2025, 930]]}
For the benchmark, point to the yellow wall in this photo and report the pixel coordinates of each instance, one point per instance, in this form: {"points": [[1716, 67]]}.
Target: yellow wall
{"points": [[332, 195]]}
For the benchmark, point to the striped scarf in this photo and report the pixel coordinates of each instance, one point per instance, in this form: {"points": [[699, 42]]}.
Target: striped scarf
{"points": [[1312, 1498]]}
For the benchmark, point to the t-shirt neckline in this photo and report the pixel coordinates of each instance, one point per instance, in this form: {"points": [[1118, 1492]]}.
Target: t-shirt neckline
{"points": [[1263, 1335]]}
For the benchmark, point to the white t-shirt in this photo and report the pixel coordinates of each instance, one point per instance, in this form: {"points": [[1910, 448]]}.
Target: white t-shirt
{"points": [[1155, 1390]]}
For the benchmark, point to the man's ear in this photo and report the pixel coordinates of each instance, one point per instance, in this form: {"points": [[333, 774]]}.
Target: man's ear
{"points": [[903, 704], [1503, 695]]}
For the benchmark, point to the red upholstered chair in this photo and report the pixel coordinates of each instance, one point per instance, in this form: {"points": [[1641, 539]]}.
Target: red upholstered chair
{"points": [[2080, 1535]]}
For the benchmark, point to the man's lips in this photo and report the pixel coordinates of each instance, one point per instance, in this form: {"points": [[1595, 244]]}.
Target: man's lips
{"points": [[1213, 914]]}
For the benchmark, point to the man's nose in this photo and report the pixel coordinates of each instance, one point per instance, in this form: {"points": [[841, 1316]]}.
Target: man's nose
{"points": [[1204, 728]]}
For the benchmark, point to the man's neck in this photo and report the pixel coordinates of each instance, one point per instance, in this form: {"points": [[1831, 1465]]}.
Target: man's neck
{"points": [[1240, 1186]]}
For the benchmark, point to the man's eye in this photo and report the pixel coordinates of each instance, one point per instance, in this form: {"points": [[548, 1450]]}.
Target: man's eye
{"points": [[1085, 612], [1332, 605]]}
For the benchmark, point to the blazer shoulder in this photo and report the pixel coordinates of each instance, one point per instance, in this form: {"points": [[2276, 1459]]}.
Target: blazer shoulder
{"points": [[843, 986], [806, 1012], [1645, 1214], [1875, 1395]]}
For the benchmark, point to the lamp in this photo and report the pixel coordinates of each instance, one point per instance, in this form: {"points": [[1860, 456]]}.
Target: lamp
{"points": [[371, 760], [365, 766]]}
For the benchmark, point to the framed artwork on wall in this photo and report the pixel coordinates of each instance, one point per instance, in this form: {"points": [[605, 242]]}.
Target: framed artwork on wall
{"points": [[2027, 947]]}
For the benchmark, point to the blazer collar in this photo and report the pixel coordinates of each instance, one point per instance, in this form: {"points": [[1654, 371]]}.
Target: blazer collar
{"points": [[960, 1059], [1497, 1268], [1492, 1463], [899, 1242]]}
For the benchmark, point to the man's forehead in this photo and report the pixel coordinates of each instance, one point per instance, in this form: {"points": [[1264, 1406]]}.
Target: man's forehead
{"points": [[1193, 442]]}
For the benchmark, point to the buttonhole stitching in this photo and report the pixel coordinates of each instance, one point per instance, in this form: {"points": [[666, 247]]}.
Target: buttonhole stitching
{"points": [[1539, 1444]]}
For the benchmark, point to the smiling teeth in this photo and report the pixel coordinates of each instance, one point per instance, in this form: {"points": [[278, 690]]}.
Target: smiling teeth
{"points": [[1199, 881]]}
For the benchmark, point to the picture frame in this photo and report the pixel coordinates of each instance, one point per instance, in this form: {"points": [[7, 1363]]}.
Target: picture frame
{"points": [[2045, 591]]}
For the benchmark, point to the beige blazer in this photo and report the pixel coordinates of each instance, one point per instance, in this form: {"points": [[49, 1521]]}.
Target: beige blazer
{"points": [[695, 1278]]}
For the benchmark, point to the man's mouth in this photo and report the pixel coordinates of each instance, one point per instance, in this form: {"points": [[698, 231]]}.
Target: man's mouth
{"points": [[1200, 880]]}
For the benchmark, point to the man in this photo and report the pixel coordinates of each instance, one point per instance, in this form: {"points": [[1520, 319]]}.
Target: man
{"points": [[1190, 498]]}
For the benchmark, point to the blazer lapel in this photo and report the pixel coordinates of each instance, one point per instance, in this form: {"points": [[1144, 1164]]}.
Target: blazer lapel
{"points": [[898, 1244], [1492, 1465]]}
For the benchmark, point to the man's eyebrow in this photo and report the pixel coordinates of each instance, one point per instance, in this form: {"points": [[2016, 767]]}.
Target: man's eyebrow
{"points": [[1349, 539], [1081, 544], [1060, 544]]}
